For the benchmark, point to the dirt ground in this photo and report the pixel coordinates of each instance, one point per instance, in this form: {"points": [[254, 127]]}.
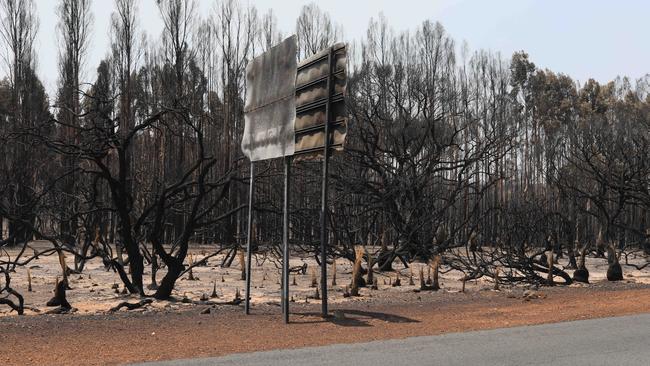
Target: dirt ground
{"points": [[92, 335], [160, 335], [93, 291]]}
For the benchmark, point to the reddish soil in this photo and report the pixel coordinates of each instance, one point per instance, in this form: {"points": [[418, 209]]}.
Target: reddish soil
{"points": [[153, 335]]}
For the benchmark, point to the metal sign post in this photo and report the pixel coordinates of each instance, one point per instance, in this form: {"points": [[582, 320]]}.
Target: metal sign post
{"points": [[285, 240], [249, 255], [324, 192]]}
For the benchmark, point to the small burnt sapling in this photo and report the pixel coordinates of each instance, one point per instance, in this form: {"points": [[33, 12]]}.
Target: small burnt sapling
{"points": [[29, 280], [346, 291], [64, 268], [431, 284], [435, 286], [314, 278], [422, 281], [334, 272], [371, 273], [242, 264], [571, 252], [397, 282], [549, 259], [190, 261]]}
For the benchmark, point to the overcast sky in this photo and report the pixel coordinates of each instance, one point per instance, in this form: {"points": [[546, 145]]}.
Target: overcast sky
{"points": [[581, 38]]}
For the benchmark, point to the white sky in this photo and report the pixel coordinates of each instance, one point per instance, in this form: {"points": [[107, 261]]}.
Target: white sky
{"points": [[581, 38]]}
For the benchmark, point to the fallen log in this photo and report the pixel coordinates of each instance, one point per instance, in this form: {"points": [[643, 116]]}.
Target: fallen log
{"points": [[60, 310], [130, 306]]}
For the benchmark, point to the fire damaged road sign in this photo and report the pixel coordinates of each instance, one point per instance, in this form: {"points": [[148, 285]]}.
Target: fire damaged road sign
{"points": [[270, 111], [294, 110], [279, 125], [320, 96]]}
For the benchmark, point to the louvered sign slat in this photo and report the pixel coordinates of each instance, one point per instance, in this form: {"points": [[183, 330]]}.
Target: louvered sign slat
{"points": [[320, 90]]}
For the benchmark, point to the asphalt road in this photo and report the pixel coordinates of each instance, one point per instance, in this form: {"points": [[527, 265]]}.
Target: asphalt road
{"points": [[611, 341]]}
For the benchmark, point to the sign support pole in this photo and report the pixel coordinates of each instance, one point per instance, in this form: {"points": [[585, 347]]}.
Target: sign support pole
{"points": [[325, 187], [249, 254], [285, 241]]}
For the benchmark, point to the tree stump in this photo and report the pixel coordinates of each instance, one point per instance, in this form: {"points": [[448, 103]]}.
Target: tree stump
{"points": [[615, 271], [59, 298], [581, 275], [334, 272], [357, 275], [435, 286]]}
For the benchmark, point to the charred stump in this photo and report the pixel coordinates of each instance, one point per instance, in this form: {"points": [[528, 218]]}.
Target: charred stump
{"points": [[581, 274], [334, 272], [370, 277], [357, 275], [435, 286], [59, 298], [549, 277]]}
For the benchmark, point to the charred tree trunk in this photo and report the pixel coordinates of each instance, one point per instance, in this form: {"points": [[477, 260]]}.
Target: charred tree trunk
{"points": [[174, 270]]}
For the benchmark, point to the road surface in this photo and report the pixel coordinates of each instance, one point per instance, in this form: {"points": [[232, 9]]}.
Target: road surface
{"points": [[610, 341]]}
